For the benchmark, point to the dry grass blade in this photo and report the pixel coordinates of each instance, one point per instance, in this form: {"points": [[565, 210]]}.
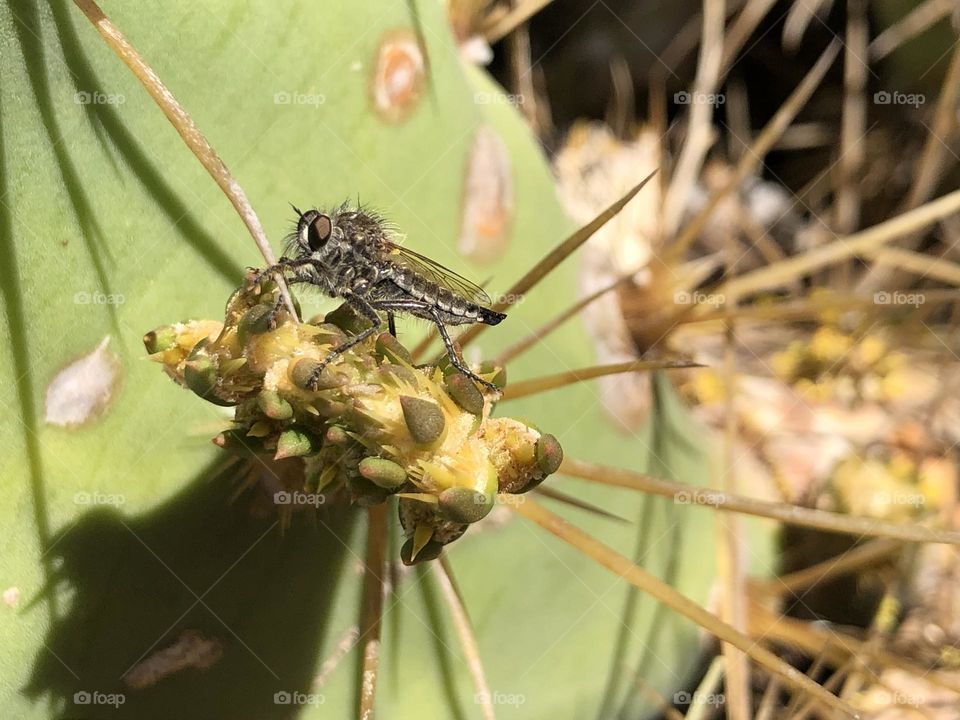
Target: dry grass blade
{"points": [[552, 382], [936, 148], [919, 264], [909, 26], [754, 11], [731, 546], [752, 158], [548, 327], [523, 81], [859, 557], [780, 312], [372, 610], [831, 684], [784, 512], [670, 597], [816, 667], [504, 24], [662, 704], [348, 639], [700, 132], [799, 18], [621, 113], [188, 131], [464, 630], [701, 708], [555, 257], [853, 121], [572, 501], [769, 699], [861, 243], [836, 647], [930, 170]]}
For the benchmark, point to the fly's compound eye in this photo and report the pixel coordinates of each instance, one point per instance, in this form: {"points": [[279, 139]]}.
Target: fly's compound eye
{"points": [[318, 232]]}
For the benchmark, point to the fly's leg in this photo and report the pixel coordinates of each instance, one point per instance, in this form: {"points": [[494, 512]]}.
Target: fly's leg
{"points": [[418, 305], [391, 324], [362, 306], [294, 271], [452, 352]]}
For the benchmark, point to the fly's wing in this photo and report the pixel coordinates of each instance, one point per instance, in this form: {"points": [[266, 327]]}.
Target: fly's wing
{"points": [[438, 274]]}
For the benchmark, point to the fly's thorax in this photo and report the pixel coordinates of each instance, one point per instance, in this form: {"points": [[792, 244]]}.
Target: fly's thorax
{"points": [[334, 256]]}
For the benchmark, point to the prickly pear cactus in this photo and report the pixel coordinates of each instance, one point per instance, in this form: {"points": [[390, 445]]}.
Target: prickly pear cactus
{"points": [[134, 583]]}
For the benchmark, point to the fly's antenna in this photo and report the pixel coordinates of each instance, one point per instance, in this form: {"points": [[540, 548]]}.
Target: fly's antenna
{"points": [[296, 210]]}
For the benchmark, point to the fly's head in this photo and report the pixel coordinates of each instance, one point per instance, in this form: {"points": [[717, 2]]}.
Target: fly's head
{"points": [[324, 236], [316, 235]]}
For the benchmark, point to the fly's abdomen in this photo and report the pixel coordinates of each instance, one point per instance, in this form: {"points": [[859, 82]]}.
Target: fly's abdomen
{"points": [[455, 309]]}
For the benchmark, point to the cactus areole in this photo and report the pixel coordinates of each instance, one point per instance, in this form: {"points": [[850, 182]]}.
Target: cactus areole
{"points": [[370, 424]]}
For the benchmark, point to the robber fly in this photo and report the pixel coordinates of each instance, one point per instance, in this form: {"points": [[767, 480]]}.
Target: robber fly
{"points": [[348, 254]]}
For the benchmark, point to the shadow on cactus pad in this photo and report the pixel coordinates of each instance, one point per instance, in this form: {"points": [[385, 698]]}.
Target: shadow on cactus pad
{"points": [[197, 594]]}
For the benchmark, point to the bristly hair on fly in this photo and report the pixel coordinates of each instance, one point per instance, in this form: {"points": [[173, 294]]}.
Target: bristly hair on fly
{"points": [[390, 229]]}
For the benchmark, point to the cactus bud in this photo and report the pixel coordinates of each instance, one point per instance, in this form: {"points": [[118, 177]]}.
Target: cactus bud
{"points": [[549, 454], [348, 319], [382, 472], [392, 349], [255, 321], [424, 419], [411, 555], [304, 370], [465, 393], [274, 406], [163, 338], [200, 375], [294, 442], [463, 505], [336, 435], [236, 440]]}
